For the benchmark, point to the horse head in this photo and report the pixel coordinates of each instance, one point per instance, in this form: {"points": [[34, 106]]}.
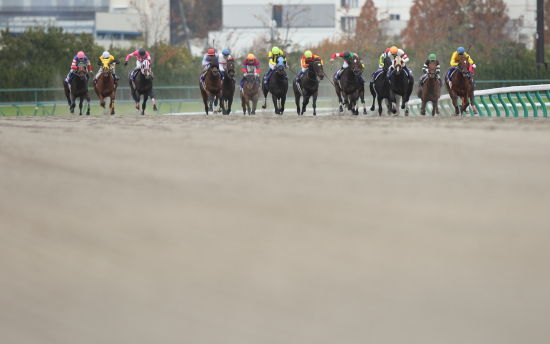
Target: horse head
{"points": [[230, 68], [146, 69], [432, 70], [81, 70], [280, 68], [214, 66], [106, 71], [356, 66], [317, 68], [387, 63], [464, 65], [397, 64], [251, 82]]}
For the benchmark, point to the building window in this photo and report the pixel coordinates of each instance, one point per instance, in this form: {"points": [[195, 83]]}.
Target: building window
{"points": [[395, 16], [348, 24], [278, 15], [349, 3]]}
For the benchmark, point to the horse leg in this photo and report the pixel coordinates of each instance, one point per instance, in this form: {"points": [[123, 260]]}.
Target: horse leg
{"points": [[397, 102], [373, 93], [80, 105], [304, 103], [283, 100], [314, 103], [88, 104], [297, 100], [73, 103], [265, 91], [204, 100], [454, 100], [112, 104], [435, 108], [380, 106], [423, 108], [145, 97], [254, 104], [154, 100], [275, 104]]}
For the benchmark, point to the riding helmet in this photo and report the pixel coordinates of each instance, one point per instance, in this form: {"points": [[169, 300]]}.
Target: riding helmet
{"points": [[141, 52], [250, 57], [211, 52], [80, 54], [432, 57], [347, 54], [226, 52], [308, 54], [394, 50], [460, 50], [105, 54], [275, 50]]}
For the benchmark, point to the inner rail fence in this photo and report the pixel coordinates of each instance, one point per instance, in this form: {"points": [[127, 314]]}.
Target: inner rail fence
{"points": [[510, 101]]}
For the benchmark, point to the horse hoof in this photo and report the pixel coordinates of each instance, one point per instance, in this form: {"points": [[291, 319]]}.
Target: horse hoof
{"points": [[155, 108]]}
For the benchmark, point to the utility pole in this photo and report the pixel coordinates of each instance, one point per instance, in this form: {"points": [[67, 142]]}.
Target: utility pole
{"points": [[540, 34]]}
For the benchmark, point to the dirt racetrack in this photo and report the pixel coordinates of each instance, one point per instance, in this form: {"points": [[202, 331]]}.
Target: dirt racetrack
{"points": [[271, 230]]}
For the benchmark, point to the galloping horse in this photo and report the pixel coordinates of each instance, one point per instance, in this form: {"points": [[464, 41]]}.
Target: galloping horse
{"points": [[78, 89], [431, 90], [278, 86], [380, 88], [228, 87], [461, 85], [105, 87], [308, 86], [211, 87], [143, 86], [400, 85], [350, 85], [250, 94]]}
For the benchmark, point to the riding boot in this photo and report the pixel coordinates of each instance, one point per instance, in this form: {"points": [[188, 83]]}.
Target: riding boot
{"points": [[338, 72], [268, 76], [299, 77]]}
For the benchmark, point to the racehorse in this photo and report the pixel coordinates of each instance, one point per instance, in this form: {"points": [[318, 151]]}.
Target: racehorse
{"points": [[308, 86], [349, 87], [143, 86], [250, 93], [461, 85], [105, 87], [278, 86], [400, 85], [211, 87], [431, 90], [228, 87], [380, 88], [78, 89]]}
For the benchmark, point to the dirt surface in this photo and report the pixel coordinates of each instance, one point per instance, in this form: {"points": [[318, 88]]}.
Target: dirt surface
{"points": [[193, 229]]}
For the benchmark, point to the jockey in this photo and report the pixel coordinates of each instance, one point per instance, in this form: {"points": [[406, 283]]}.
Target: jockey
{"points": [[394, 51], [250, 66], [273, 55], [206, 60], [455, 58], [141, 55], [80, 57], [223, 58], [380, 64], [431, 58], [347, 56], [306, 59], [106, 60]]}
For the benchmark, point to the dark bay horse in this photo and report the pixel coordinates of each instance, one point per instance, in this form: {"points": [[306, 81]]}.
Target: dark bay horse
{"points": [[143, 86], [105, 87], [461, 85], [308, 86], [380, 88], [250, 93], [228, 87], [401, 85], [211, 88], [278, 86], [431, 90], [348, 88], [78, 89]]}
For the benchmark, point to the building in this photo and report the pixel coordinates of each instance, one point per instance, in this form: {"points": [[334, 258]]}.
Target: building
{"points": [[112, 22]]}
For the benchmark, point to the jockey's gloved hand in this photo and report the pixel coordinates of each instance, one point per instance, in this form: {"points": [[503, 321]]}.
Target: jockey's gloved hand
{"points": [[474, 66]]}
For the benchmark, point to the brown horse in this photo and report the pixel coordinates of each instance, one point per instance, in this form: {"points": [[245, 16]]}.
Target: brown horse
{"points": [[228, 87], [461, 85], [212, 86], [78, 88], [105, 87], [250, 94], [431, 90], [308, 86], [349, 87]]}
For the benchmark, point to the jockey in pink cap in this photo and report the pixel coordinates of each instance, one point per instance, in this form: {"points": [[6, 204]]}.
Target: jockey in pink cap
{"points": [[79, 58], [141, 54]]}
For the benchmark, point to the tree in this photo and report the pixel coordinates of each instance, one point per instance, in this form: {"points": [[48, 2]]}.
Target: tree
{"points": [[367, 29], [151, 21]]}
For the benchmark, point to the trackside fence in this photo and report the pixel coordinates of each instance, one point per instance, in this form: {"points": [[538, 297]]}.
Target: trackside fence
{"points": [[515, 101]]}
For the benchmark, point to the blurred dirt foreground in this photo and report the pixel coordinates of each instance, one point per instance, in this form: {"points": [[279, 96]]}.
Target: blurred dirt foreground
{"points": [[274, 230]]}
